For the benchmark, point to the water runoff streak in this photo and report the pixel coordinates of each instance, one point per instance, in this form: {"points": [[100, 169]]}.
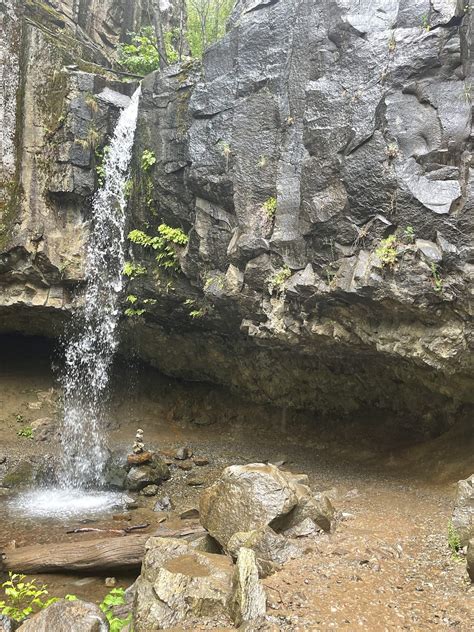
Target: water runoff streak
{"points": [[92, 344]]}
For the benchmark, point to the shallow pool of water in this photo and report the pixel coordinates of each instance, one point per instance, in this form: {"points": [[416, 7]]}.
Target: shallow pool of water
{"points": [[64, 504]]}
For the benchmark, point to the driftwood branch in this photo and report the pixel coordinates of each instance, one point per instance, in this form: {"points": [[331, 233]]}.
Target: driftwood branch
{"points": [[123, 531]]}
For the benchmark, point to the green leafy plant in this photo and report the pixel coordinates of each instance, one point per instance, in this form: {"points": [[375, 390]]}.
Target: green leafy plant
{"points": [[26, 432], [148, 159], [116, 597], [270, 206], [387, 251], [141, 55], [425, 22], [454, 541], [437, 280], [25, 597], [19, 417], [276, 281], [409, 234], [133, 270], [165, 244]]}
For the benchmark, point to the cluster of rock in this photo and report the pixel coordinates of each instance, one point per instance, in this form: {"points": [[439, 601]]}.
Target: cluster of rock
{"points": [[463, 520], [251, 513]]}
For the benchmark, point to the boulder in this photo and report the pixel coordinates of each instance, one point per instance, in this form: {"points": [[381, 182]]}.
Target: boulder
{"points": [[315, 506], [271, 549], [245, 498], [470, 559], [463, 513], [178, 582], [67, 616], [248, 598], [150, 474]]}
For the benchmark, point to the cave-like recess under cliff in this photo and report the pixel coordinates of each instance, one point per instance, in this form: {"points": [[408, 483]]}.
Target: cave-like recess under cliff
{"points": [[309, 134]]}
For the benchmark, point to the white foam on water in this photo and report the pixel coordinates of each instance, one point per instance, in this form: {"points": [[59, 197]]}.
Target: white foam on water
{"points": [[61, 503]]}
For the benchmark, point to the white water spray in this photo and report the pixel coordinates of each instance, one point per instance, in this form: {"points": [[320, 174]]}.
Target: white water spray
{"points": [[91, 348]]}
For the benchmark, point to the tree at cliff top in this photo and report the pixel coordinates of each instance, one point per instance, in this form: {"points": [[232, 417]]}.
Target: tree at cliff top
{"points": [[151, 48], [206, 22]]}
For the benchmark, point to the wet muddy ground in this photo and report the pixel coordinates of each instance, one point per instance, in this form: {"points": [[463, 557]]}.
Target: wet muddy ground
{"points": [[387, 566]]}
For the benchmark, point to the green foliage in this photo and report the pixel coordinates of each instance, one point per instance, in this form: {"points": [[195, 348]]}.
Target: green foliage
{"points": [[270, 206], [131, 298], [387, 251], [100, 157], [133, 270], [277, 280], [197, 313], [25, 598], [454, 541], [141, 55], [206, 22], [127, 188], [425, 22], [437, 280], [409, 234], [148, 159], [164, 244], [26, 432], [131, 312], [114, 598]]}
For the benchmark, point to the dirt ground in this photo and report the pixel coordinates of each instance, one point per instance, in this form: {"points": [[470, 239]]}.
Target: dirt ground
{"points": [[387, 565]]}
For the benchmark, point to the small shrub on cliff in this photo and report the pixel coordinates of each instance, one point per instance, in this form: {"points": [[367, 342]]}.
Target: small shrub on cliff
{"points": [[164, 244], [387, 251], [276, 281], [270, 207], [148, 159]]}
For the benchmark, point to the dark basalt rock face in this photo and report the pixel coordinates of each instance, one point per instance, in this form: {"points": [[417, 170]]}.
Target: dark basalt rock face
{"points": [[356, 118]]}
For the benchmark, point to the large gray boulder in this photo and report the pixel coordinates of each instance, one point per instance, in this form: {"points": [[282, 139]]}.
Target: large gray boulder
{"points": [[463, 513], [177, 583], [245, 498], [67, 616]]}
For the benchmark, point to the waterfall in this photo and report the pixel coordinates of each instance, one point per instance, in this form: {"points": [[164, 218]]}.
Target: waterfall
{"points": [[93, 341]]}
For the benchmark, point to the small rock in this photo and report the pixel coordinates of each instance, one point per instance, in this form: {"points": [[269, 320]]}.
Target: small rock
{"points": [[150, 474], [122, 517], [7, 624], [150, 490], [129, 502], [470, 560], [138, 459], [304, 528], [185, 465], [3, 459], [200, 461], [110, 582], [195, 481], [248, 599], [183, 453], [163, 504], [189, 514], [65, 616], [463, 513], [35, 405]]}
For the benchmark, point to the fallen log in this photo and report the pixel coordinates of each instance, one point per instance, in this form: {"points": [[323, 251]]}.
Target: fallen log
{"points": [[93, 555], [99, 555]]}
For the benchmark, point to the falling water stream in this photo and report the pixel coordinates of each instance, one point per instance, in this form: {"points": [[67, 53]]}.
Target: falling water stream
{"points": [[92, 344]]}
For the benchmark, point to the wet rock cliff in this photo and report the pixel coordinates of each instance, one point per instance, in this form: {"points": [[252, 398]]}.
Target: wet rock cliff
{"points": [[319, 163]]}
